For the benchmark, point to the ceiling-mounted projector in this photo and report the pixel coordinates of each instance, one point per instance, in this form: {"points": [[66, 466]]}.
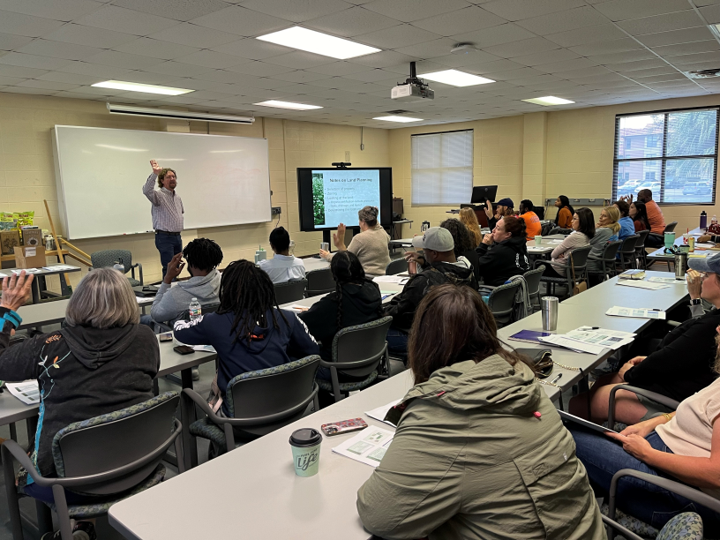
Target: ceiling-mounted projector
{"points": [[413, 89]]}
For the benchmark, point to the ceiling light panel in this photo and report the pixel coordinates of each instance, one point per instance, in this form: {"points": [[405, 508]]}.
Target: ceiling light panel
{"points": [[548, 101], [287, 105], [318, 43], [401, 119], [145, 88], [454, 77]]}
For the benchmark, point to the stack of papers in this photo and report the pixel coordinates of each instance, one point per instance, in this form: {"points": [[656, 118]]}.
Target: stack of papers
{"points": [[653, 286], [397, 279], [590, 340], [667, 280], [636, 313], [18, 271], [368, 446], [27, 391], [380, 413], [56, 267]]}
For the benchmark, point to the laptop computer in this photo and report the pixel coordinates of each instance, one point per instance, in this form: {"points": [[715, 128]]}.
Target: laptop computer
{"points": [[482, 193]]}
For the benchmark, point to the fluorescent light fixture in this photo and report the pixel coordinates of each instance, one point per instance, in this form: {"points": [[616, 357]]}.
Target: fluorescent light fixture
{"points": [[547, 101], [287, 105], [456, 78], [715, 29], [301, 38], [401, 119], [145, 88]]}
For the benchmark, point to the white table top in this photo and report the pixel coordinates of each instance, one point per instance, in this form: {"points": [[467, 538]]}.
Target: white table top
{"points": [[46, 271], [314, 263]]}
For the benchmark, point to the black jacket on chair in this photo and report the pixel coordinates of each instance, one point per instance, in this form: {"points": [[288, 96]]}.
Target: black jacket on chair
{"points": [[683, 363], [499, 262]]}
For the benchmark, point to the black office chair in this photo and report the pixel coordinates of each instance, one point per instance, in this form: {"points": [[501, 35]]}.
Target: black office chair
{"points": [[319, 282], [397, 266], [685, 526], [606, 262], [546, 227], [532, 278], [627, 252], [578, 260], [640, 253], [290, 291], [358, 351], [502, 302], [113, 456], [670, 227], [109, 257], [259, 402]]}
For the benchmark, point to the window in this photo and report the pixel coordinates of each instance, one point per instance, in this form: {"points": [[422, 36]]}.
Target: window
{"points": [[442, 168], [677, 160]]}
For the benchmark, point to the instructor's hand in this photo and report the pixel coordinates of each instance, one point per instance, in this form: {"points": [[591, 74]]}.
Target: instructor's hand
{"points": [[174, 269], [16, 290], [157, 169]]}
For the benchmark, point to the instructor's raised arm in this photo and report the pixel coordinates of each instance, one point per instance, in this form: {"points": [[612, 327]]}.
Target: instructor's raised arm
{"points": [[149, 187]]}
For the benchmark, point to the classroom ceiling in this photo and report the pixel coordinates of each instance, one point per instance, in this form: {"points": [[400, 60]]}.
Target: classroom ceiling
{"points": [[594, 52]]}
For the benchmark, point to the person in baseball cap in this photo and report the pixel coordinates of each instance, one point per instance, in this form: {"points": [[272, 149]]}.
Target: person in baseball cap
{"points": [[505, 207]]}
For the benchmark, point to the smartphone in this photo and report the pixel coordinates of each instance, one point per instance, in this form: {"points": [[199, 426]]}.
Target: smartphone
{"points": [[183, 349], [165, 336], [344, 426]]}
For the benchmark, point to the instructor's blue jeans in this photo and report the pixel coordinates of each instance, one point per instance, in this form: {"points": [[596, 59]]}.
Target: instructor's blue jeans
{"points": [[603, 457], [168, 245]]}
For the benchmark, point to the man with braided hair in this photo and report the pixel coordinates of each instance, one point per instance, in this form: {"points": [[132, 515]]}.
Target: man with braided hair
{"points": [[248, 331]]}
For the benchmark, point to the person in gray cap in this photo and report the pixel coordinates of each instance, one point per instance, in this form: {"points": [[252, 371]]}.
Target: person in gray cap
{"points": [[505, 207], [680, 366], [441, 267]]}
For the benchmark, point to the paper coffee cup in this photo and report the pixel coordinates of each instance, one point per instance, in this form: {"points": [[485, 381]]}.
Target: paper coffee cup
{"points": [[538, 240], [305, 444]]}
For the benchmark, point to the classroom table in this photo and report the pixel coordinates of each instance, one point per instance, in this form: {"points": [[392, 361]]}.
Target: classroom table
{"points": [[49, 270], [547, 244], [315, 263]]}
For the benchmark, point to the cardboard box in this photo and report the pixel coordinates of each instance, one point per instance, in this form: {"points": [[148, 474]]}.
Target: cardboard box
{"points": [[8, 240], [29, 257], [32, 237]]}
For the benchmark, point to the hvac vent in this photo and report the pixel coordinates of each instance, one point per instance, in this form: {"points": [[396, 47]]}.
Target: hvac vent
{"points": [[704, 73], [398, 111]]}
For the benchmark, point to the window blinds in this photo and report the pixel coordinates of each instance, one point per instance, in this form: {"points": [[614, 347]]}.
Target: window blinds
{"points": [[442, 168]]}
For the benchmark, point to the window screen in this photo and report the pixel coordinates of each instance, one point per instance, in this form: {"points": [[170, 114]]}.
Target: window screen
{"points": [[673, 154], [442, 168]]}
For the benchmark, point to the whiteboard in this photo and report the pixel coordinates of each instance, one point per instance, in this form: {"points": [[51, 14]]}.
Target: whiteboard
{"points": [[100, 174]]}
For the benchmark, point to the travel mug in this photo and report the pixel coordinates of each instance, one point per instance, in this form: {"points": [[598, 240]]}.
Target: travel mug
{"points": [[549, 307], [305, 444], [538, 240]]}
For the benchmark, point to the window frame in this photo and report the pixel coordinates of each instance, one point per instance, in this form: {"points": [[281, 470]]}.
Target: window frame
{"points": [[472, 166], [663, 158]]}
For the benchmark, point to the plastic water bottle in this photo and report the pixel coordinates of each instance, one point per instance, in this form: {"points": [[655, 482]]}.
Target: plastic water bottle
{"points": [[194, 310]]}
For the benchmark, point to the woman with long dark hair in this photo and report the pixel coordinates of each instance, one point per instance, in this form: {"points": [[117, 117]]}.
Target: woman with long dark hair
{"points": [[638, 213], [479, 451], [565, 212], [248, 331], [356, 300]]}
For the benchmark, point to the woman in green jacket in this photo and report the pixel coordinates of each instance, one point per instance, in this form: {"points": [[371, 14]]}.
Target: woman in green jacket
{"points": [[479, 451]]}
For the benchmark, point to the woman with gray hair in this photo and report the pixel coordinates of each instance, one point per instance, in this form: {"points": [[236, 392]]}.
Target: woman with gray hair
{"points": [[103, 360], [370, 246]]}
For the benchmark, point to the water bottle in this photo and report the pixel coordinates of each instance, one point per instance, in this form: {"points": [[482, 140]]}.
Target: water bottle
{"points": [[549, 307], [194, 310], [703, 220], [119, 266]]}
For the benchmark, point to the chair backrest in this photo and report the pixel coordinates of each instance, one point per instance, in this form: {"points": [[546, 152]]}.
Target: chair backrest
{"points": [[670, 227], [276, 391], [532, 278], [502, 302], [685, 526], [546, 227], [110, 441], [362, 346], [642, 236], [103, 259], [579, 257], [628, 245], [611, 250], [290, 291], [396, 267], [320, 282], [559, 230]]}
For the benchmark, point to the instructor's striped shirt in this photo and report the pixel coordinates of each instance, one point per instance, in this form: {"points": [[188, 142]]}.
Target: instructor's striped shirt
{"points": [[167, 207]]}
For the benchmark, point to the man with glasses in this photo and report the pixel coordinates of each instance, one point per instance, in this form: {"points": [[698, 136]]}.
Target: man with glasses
{"points": [[167, 212]]}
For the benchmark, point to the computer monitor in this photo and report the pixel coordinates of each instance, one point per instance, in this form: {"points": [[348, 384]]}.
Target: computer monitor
{"points": [[482, 193]]}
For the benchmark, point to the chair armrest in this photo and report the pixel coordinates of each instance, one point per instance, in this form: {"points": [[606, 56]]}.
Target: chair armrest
{"points": [[140, 271], [663, 400], [629, 535], [12, 450], [200, 402], [674, 324]]}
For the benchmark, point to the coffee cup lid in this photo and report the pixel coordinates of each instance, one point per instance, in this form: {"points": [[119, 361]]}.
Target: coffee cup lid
{"points": [[305, 437]]}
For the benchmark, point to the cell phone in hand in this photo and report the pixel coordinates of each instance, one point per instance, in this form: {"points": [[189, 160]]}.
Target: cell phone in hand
{"points": [[183, 349], [344, 426]]}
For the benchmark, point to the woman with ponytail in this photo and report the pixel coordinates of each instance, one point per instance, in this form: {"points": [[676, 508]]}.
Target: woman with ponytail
{"points": [[356, 300]]}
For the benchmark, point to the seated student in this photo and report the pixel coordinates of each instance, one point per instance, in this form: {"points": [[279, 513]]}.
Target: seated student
{"points": [[638, 213], [533, 227], [480, 451], [103, 361], [504, 207], [469, 219], [442, 267], [627, 227], [565, 212], [465, 253], [679, 367], [606, 230], [248, 331], [583, 225], [503, 253], [283, 266], [370, 246], [681, 446], [655, 218], [356, 300]]}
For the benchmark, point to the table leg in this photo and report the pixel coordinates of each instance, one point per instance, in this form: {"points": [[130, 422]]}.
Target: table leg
{"points": [[35, 290], [187, 417]]}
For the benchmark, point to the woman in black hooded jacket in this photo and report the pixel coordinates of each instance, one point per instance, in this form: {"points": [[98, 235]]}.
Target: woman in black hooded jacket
{"points": [[503, 253]]}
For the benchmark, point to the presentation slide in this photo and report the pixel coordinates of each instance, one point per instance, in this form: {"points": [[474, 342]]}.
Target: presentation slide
{"points": [[338, 195]]}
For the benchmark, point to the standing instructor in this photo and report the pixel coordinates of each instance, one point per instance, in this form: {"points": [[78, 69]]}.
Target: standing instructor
{"points": [[167, 212]]}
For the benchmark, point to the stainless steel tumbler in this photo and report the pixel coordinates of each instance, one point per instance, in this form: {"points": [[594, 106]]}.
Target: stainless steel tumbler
{"points": [[549, 306]]}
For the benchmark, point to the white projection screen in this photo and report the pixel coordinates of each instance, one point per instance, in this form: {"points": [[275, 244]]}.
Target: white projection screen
{"points": [[100, 174]]}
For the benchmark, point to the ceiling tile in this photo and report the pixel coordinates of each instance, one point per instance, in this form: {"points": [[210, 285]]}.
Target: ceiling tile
{"points": [[299, 60], [180, 70], [374, 75], [10, 81], [588, 34], [493, 67], [650, 72], [125, 20], [661, 78], [70, 78], [522, 47], [297, 10], [213, 59], [123, 60], [89, 36], [339, 68], [211, 79], [626, 56], [300, 76], [9, 42], [252, 48], [687, 35], [430, 49], [242, 21], [26, 25], [333, 82], [457, 22], [58, 49], [152, 77], [414, 10], [156, 48], [459, 61], [569, 65], [628, 67], [563, 21], [514, 74], [32, 61], [384, 59], [194, 36], [398, 36], [487, 37], [515, 10], [683, 49], [606, 47], [48, 85], [96, 70], [711, 13], [350, 22], [695, 58], [546, 57], [622, 10], [61, 10], [21, 72], [181, 10], [260, 69], [661, 23]]}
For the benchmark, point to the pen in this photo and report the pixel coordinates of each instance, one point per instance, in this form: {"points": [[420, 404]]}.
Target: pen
{"points": [[556, 379]]}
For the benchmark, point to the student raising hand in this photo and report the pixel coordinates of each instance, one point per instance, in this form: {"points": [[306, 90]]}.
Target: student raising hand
{"points": [[16, 290]]}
